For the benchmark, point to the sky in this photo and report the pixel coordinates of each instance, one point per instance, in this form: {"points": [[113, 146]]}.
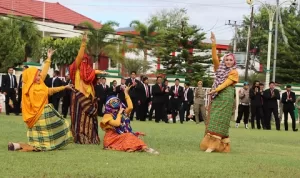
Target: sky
{"points": [[210, 15]]}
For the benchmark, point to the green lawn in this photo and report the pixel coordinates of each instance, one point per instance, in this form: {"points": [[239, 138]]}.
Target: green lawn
{"points": [[255, 153]]}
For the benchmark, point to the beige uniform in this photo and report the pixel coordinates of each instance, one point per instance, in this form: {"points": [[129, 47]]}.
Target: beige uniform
{"points": [[199, 104]]}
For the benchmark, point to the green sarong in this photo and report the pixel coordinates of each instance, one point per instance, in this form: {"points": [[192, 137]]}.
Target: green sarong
{"points": [[220, 113]]}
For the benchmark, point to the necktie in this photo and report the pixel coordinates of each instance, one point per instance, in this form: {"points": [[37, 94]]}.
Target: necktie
{"points": [[185, 94], [11, 81], [53, 81], [21, 81], [147, 92], [176, 90], [161, 88]]}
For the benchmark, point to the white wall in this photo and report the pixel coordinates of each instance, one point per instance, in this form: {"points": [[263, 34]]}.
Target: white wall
{"points": [[151, 59], [58, 30]]}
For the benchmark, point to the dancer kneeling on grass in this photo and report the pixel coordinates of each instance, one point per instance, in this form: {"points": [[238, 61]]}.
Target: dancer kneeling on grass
{"points": [[47, 129], [222, 103], [118, 132]]}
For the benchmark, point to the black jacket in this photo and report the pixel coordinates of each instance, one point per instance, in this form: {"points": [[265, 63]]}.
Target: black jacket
{"points": [[158, 94], [288, 104], [190, 96], [121, 94], [132, 92], [5, 84], [56, 83], [141, 92], [180, 93], [256, 98], [272, 101]]}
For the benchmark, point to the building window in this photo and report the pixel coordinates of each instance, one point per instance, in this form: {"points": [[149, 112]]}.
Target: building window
{"points": [[112, 64]]}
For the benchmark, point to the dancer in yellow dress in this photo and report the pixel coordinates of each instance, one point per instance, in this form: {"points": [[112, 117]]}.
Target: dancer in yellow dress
{"points": [[47, 129]]}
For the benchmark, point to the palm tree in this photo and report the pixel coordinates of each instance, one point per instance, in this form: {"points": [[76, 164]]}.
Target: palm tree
{"points": [[138, 65], [146, 36], [102, 42]]}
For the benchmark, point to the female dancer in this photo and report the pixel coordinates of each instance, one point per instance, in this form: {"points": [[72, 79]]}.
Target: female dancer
{"points": [[84, 105], [218, 122], [47, 129], [118, 132]]}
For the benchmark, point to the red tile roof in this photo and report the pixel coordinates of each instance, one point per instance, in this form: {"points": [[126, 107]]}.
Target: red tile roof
{"points": [[54, 12]]}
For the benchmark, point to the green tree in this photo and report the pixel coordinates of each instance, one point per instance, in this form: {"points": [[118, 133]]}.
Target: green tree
{"points": [[102, 42], [146, 36], [185, 39], [19, 39], [287, 65], [32, 38], [169, 19], [67, 49], [138, 65]]}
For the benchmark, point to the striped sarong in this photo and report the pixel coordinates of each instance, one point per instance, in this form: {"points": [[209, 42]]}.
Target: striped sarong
{"points": [[84, 122], [220, 113], [50, 132]]}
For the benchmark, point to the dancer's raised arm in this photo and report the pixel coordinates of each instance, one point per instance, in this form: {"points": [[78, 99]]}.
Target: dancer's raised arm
{"points": [[81, 50], [128, 101], [215, 57], [47, 64]]}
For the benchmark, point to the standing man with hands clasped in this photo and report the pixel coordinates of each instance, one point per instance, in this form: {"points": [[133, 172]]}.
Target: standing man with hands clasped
{"points": [[288, 101], [272, 95], [133, 82]]}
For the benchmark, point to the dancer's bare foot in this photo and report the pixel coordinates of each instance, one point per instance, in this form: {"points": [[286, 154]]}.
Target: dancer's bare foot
{"points": [[151, 151], [209, 150]]}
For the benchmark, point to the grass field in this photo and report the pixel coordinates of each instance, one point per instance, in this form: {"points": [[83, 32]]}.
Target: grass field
{"points": [[255, 153]]}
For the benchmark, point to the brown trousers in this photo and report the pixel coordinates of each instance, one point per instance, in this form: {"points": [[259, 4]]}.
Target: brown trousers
{"points": [[197, 109]]}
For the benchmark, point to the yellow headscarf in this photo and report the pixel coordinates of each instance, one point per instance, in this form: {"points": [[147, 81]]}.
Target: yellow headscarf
{"points": [[34, 97]]}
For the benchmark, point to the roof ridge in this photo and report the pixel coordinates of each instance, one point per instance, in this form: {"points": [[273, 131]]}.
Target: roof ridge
{"points": [[79, 14]]}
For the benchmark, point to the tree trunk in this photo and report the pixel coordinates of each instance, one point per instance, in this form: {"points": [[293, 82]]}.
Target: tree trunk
{"points": [[145, 59]]}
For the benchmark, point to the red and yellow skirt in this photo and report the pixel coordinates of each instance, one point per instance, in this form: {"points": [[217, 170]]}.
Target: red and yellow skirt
{"points": [[123, 142]]}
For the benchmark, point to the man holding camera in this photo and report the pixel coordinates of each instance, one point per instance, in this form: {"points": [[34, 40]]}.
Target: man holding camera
{"points": [[243, 108]]}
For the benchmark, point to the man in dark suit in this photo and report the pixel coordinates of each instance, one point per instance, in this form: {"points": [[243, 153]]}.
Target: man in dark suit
{"points": [[158, 92], [56, 82], [48, 81], [103, 95], [176, 93], [9, 89], [255, 94], [98, 89], [150, 114], [132, 81], [66, 97], [120, 91], [167, 99], [188, 100], [272, 95], [288, 100], [20, 89], [144, 98], [113, 89]]}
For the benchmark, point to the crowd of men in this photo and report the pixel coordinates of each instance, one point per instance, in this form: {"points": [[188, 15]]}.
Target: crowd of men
{"points": [[263, 103], [166, 101]]}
